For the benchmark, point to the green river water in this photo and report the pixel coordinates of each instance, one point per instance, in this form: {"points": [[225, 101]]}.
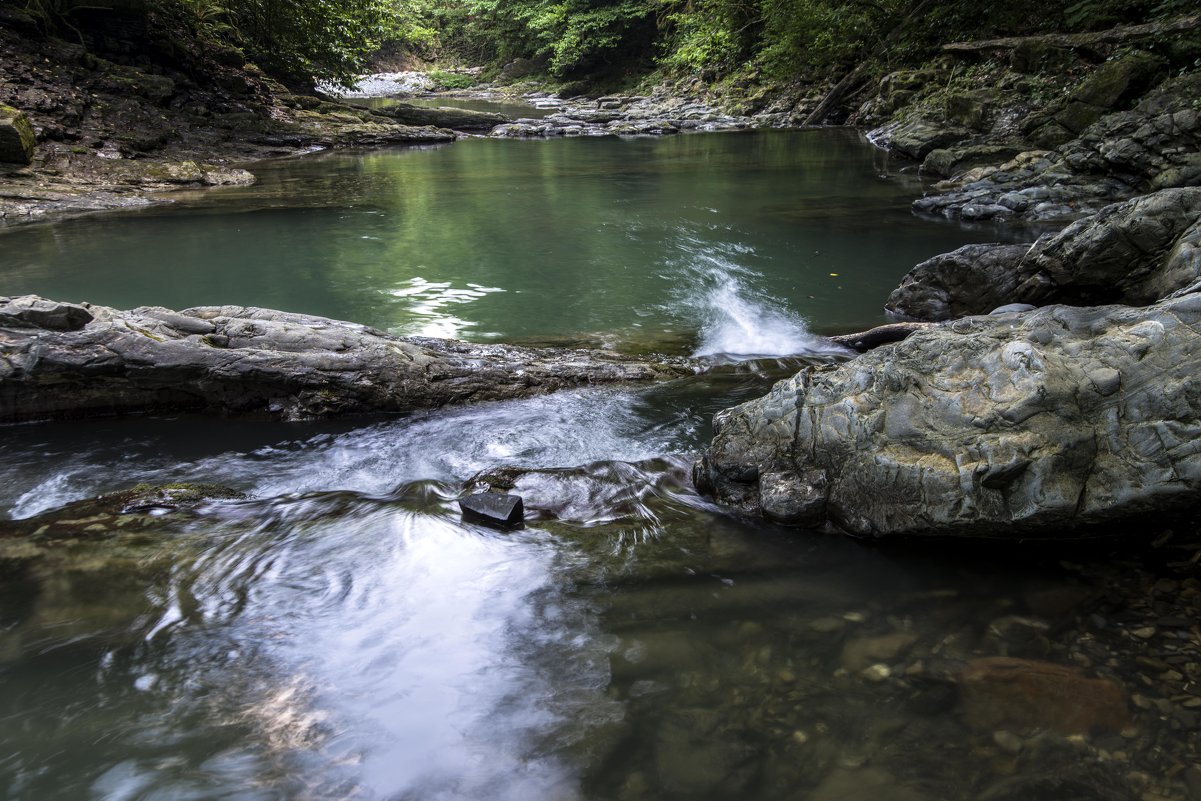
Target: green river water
{"points": [[342, 634]]}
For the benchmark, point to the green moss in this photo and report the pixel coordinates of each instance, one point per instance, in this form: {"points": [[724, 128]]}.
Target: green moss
{"points": [[17, 140]]}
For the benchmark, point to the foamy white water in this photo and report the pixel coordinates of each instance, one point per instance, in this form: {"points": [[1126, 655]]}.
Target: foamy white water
{"points": [[736, 319]]}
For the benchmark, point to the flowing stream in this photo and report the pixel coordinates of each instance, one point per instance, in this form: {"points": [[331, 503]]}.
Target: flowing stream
{"points": [[341, 633]]}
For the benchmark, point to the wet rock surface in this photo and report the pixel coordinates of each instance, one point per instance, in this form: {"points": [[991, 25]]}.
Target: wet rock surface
{"points": [[237, 360], [621, 115], [1135, 252], [457, 119], [1034, 424], [493, 509]]}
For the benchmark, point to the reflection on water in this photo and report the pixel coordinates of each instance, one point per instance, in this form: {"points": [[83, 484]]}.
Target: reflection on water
{"points": [[428, 301]]}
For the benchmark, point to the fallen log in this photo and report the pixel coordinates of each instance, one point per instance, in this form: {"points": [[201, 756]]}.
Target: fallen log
{"points": [[880, 335], [1120, 35], [65, 360]]}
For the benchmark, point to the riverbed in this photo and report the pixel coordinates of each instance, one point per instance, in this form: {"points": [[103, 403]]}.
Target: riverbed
{"points": [[342, 633]]}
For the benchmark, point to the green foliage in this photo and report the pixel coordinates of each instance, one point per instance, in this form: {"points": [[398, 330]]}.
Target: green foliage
{"points": [[710, 34], [326, 39], [209, 19], [452, 80], [569, 36]]}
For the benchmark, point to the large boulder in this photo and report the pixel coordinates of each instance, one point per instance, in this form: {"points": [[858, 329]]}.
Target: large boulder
{"points": [[918, 136], [73, 360], [946, 162], [971, 280], [1010, 426], [1134, 252], [17, 140], [1113, 86]]}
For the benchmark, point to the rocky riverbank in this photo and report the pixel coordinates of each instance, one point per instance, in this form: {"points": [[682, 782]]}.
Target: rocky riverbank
{"points": [[119, 121], [1047, 137]]}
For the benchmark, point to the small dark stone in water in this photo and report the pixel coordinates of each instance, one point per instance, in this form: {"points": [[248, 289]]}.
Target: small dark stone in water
{"points": [[493, 509]]}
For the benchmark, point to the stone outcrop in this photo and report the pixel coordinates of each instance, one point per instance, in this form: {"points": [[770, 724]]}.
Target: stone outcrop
{"points": [[70, 360], [1154, 145], [1114, 85], [1135, 253], [1008, 426], [110, 134]]}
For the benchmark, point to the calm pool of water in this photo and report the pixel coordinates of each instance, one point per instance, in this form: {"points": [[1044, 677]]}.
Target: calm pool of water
{"points": [[702, 239]]}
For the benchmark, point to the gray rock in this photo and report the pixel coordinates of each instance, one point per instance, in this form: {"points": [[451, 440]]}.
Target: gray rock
{"points": [[970, 280], [918, 136], [456, 119], [1006, 427], [798, 500], [72, 360], [1134, 252], [946, 162], [493, 509], [17, 140], [1013, 308], [34, 312], [1149, 147]]}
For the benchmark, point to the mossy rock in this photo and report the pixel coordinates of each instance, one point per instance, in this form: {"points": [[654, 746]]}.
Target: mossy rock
{"points": [[907, 81], [1076, 116], [945, 162], [17, 140], [574, 89], [972, 109], [1116, 83], [1051, 135], [180, 496], [121, 80]]}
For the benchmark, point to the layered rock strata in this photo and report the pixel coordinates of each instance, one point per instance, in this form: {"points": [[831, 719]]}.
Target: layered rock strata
{"points": [[1136, 252], [70, 360], [1008, 426]]}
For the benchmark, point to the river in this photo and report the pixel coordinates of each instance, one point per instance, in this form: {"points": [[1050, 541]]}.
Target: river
{"points": [[342, 634]]}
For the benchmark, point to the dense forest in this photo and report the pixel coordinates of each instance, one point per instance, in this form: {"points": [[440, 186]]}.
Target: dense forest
{"points": [[610, 41]]}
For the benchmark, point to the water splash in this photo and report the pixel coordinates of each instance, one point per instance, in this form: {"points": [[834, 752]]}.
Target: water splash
{"points": [[737, 320]]}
